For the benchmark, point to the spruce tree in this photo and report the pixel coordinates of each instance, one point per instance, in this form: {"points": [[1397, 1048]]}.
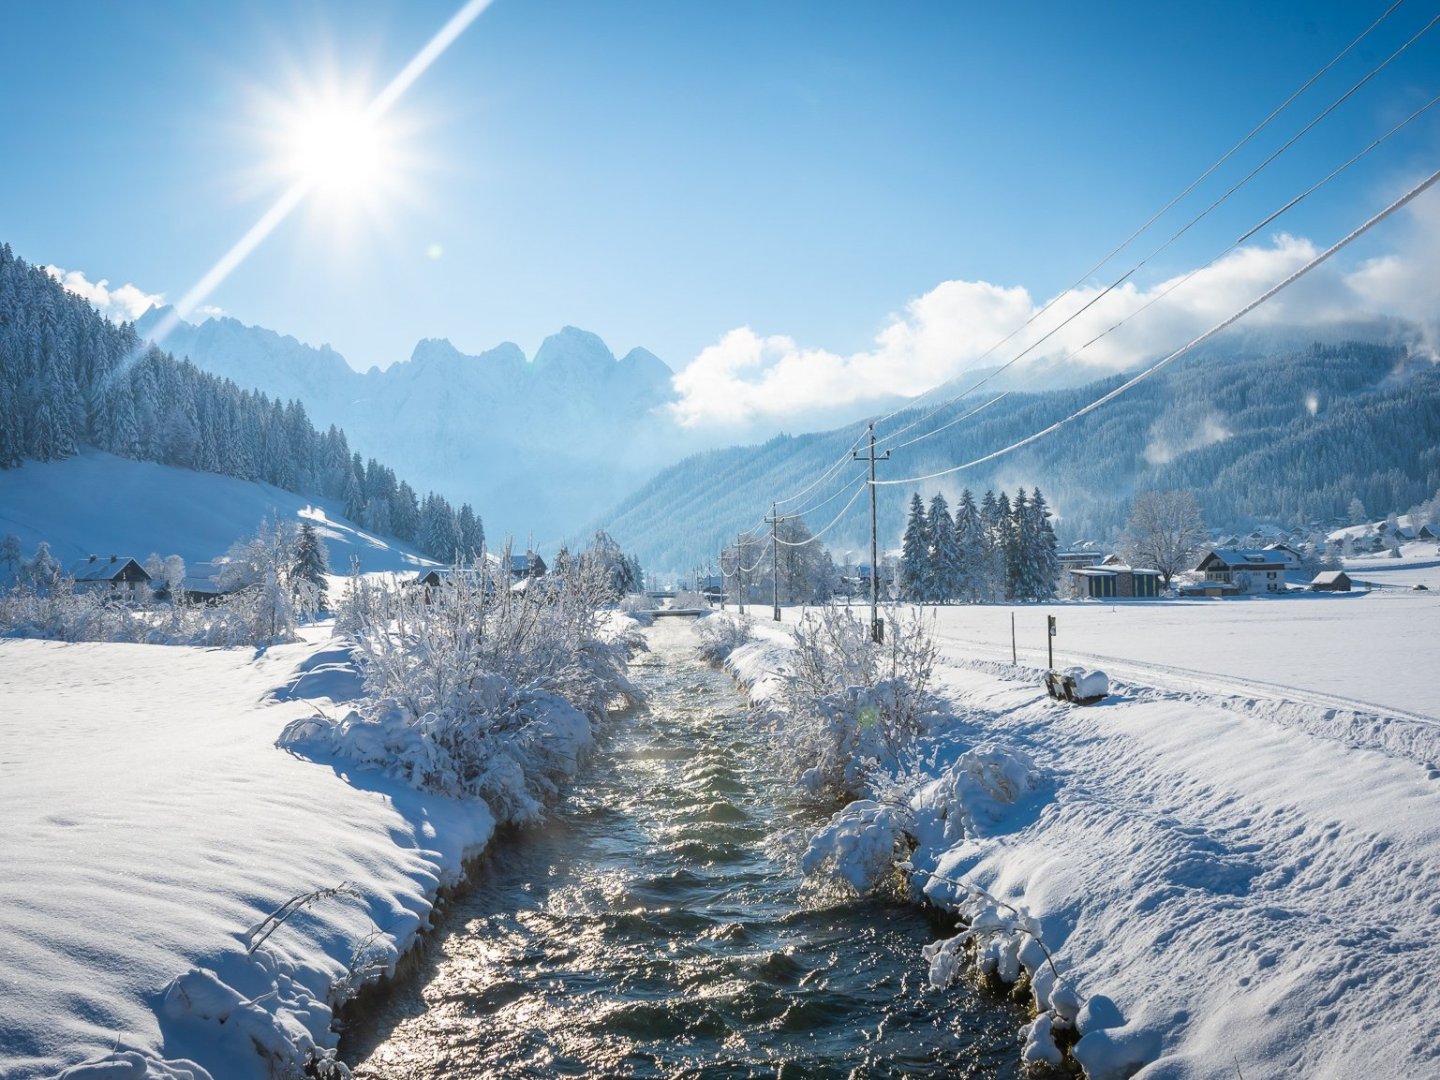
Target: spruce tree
{"points": [[968, 547], [1044, 558], [944, 569], [312, 564], [914, 552]]}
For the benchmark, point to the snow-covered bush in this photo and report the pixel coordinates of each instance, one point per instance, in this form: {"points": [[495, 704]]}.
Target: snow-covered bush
{"points": [[477, 690], [975, 793], [859, 845], [721, 633], [851, 706]]}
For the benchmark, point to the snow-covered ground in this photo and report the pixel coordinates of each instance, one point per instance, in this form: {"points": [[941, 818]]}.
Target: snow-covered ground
{"points": [[150, 822], [98, 504], [1236, 857]]}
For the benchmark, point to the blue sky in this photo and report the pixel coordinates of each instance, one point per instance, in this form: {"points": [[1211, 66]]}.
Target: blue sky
{"points": [[668, 174]]}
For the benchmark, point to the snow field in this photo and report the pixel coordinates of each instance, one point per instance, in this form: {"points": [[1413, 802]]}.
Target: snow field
{"points": [[1222, 888], [150, 822], [97, 504]]}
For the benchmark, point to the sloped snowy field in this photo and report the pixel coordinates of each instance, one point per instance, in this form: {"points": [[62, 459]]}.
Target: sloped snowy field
{"points": [[149, 821], [98, 504], [1241, 847]]}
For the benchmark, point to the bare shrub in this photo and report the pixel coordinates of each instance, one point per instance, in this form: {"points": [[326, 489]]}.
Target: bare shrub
{"points": [[721, 634]]}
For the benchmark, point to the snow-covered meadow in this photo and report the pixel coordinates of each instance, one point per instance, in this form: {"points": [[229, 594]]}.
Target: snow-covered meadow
{"points": [[151, 822], [1234, 859], [97, 503]]}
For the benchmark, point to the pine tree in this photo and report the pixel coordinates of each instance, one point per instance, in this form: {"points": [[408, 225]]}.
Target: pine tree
{"points": [[1043, 558], [968, 547], [472, 533], [944, 568], [914, 552], [312, 564], [990, 569]]}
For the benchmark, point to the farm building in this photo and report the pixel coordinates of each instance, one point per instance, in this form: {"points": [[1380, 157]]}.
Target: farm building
{"points": [[202, 583], [1331, 581], [1114, 581], [120, 575], [1248, 570]]}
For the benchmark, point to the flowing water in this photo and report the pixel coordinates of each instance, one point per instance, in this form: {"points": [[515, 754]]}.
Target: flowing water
{"points": [[658, 926]]}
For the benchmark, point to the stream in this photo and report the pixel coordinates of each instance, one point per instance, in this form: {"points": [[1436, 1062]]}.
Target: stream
{"points": [[657, 925]]}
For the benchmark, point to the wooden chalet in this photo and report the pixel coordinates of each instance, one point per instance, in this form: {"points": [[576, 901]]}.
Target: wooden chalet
{"points": [[1331, 581], [119, 575]]}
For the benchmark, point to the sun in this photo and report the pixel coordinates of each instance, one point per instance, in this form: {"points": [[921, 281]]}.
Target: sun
{"points": [[338, 150]]}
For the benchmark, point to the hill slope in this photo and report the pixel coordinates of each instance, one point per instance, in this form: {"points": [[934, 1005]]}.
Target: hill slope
{"points": [[1281, 435], [96, 503]]}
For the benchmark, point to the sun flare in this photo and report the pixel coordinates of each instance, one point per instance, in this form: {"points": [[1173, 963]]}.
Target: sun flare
{"points": [[338, 150]]}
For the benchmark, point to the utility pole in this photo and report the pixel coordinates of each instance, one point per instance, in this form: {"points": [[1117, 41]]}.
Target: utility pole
{"points": [[773, 521], [877, 628]]}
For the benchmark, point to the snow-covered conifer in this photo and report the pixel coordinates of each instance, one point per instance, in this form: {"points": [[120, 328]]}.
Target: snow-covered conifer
{"points": [[915, 552], [944, 562]]}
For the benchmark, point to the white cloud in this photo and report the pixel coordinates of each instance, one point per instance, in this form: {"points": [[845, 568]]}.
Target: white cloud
{"points": [[124, 303], [747, 378]]}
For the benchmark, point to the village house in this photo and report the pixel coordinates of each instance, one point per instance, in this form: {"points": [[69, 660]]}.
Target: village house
{"points": [[1247, 570], [120, 576]]}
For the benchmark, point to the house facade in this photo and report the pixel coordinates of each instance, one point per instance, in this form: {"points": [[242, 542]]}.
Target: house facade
{"points": [[119, 575], [1113, 581], [1247, 570]]}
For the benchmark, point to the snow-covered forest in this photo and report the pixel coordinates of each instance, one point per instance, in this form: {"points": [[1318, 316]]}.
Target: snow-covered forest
{"points": [[1279, 429], [998, 550], [70, 378]]}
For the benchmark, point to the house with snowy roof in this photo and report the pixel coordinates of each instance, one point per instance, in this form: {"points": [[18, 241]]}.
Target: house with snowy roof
{"points": [[1331, 581], [119, 575], [1247, 570]]}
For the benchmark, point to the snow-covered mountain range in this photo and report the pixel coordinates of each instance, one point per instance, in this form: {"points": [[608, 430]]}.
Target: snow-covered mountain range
{"points": [[538, 446]]}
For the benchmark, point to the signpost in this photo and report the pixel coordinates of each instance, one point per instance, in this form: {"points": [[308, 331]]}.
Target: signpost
{"points": [[1050, 641]]}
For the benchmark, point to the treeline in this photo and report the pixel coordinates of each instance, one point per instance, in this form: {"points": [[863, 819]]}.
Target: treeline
{"points": [[1002, 549], [69, 377]]}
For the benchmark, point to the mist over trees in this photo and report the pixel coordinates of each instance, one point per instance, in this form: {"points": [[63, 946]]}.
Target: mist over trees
{"points": [[1283, 431], [69, 378]]}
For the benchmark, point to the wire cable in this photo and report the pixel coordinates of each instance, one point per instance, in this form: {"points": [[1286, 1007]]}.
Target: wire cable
{"points": [[1354, 235], [859, 488], [1164, 210], [1177, 283]]}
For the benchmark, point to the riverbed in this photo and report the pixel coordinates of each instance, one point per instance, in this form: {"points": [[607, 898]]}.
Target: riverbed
{"points": [[657, 925]]}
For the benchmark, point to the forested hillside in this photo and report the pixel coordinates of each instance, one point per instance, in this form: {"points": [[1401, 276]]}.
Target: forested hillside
{"points": [[70, 378], [1281, 435]]}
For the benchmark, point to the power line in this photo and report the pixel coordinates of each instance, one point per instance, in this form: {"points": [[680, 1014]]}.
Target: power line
{"points": [[841, 460], [1181, 281], [1206, 336], [1160, 213], [860, 487]]}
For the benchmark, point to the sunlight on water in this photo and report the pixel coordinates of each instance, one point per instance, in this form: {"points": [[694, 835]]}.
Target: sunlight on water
{"points": [[658, 927]]}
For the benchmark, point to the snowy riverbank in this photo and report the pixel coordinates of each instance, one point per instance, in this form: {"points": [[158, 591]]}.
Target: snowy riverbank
{"points": [[151, 822], [1224, 885], [182, 898]]}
